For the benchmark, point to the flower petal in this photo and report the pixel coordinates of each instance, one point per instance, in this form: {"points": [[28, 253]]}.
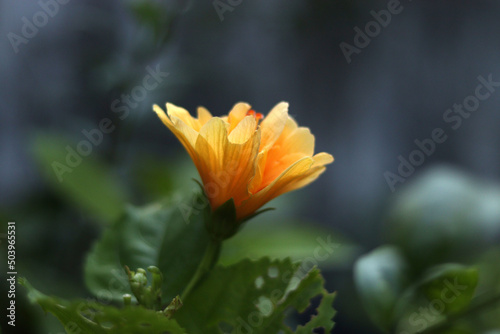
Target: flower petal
{"points": [[304, 180], [260, 165], [290, 126], [237, 114], [299, 141], [243, 131], [203, 116], [182, 114], [274, 168], [210, 146], [215, 133], [239, 163], [185, 134], [188, 132], [322, 159], [298, 175], [161, 114], [272, 126], [293, 144], [317, 168], [295, 173]]}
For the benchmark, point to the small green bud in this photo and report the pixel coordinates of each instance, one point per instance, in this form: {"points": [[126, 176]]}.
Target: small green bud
{"points": [[157, 279], [127, 299], [140, 277], [147, 296]]}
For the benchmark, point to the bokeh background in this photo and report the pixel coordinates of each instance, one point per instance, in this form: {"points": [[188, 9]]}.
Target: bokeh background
{"points": [[78, 67]]}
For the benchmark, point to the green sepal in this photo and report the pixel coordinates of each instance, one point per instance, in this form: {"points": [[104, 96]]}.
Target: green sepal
{"points": [[255, 214], [199, 185], [222, 222]]}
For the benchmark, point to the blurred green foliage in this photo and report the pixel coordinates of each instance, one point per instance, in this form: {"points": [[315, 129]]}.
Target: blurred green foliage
{"points": [[442, 231], [90, 316], [160, 235], [423, 281], [91, 186], [156, 235], [445, 216], [381, 278], [168, 236]]}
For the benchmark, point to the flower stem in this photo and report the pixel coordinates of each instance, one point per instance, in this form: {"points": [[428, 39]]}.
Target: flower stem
{"points": [[206, 264], [473, 309]]}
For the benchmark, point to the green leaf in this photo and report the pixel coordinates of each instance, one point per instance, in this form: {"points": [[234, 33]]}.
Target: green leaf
{"points": [[451, 287], [440, 294], [252, 296], [324, 316], [157, 235], [86, 182], [89, 316], [380, 278]]}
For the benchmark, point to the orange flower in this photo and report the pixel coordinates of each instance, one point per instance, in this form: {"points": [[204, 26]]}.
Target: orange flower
{"points": [[244, 156]]}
